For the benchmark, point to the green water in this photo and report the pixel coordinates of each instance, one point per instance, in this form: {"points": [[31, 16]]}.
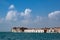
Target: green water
{"points": [[29, 36]]}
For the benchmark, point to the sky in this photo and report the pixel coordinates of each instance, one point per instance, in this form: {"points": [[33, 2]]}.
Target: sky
{"points": [[29, 13]]}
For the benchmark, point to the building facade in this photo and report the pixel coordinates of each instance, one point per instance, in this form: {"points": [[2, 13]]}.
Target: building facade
{"points": [[36, 30]]}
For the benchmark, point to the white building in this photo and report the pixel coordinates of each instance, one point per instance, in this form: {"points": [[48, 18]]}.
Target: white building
{"points": [[34, 30], [51, 30]]}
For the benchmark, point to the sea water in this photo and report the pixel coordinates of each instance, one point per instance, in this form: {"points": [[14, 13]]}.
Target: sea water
{"points": [[29, 36]]}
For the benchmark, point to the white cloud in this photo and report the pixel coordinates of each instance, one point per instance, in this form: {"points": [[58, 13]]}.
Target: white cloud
{"points": [[11, 7], [54, 15], [12, 14], [26, 15], [26, 12]]}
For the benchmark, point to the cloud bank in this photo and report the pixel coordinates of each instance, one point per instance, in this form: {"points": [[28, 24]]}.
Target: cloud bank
{"points": [[54, 15], [25, 19]]}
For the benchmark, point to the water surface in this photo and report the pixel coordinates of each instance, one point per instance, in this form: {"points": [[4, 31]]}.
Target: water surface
{"points": [[29, 36]]}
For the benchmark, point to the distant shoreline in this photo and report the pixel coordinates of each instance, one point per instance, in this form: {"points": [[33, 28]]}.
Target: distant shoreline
{"points": [[36, 30]]}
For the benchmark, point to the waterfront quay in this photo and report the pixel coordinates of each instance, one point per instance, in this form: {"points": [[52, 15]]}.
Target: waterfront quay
{"points": [[36, 30]]}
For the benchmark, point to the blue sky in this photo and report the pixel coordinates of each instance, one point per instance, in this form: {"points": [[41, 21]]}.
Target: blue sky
{"points": [[29, 13]]}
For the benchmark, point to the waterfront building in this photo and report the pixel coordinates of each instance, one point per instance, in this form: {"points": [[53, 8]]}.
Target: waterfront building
{"points": [[57, 29], [36, 30], [50, 30]]}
